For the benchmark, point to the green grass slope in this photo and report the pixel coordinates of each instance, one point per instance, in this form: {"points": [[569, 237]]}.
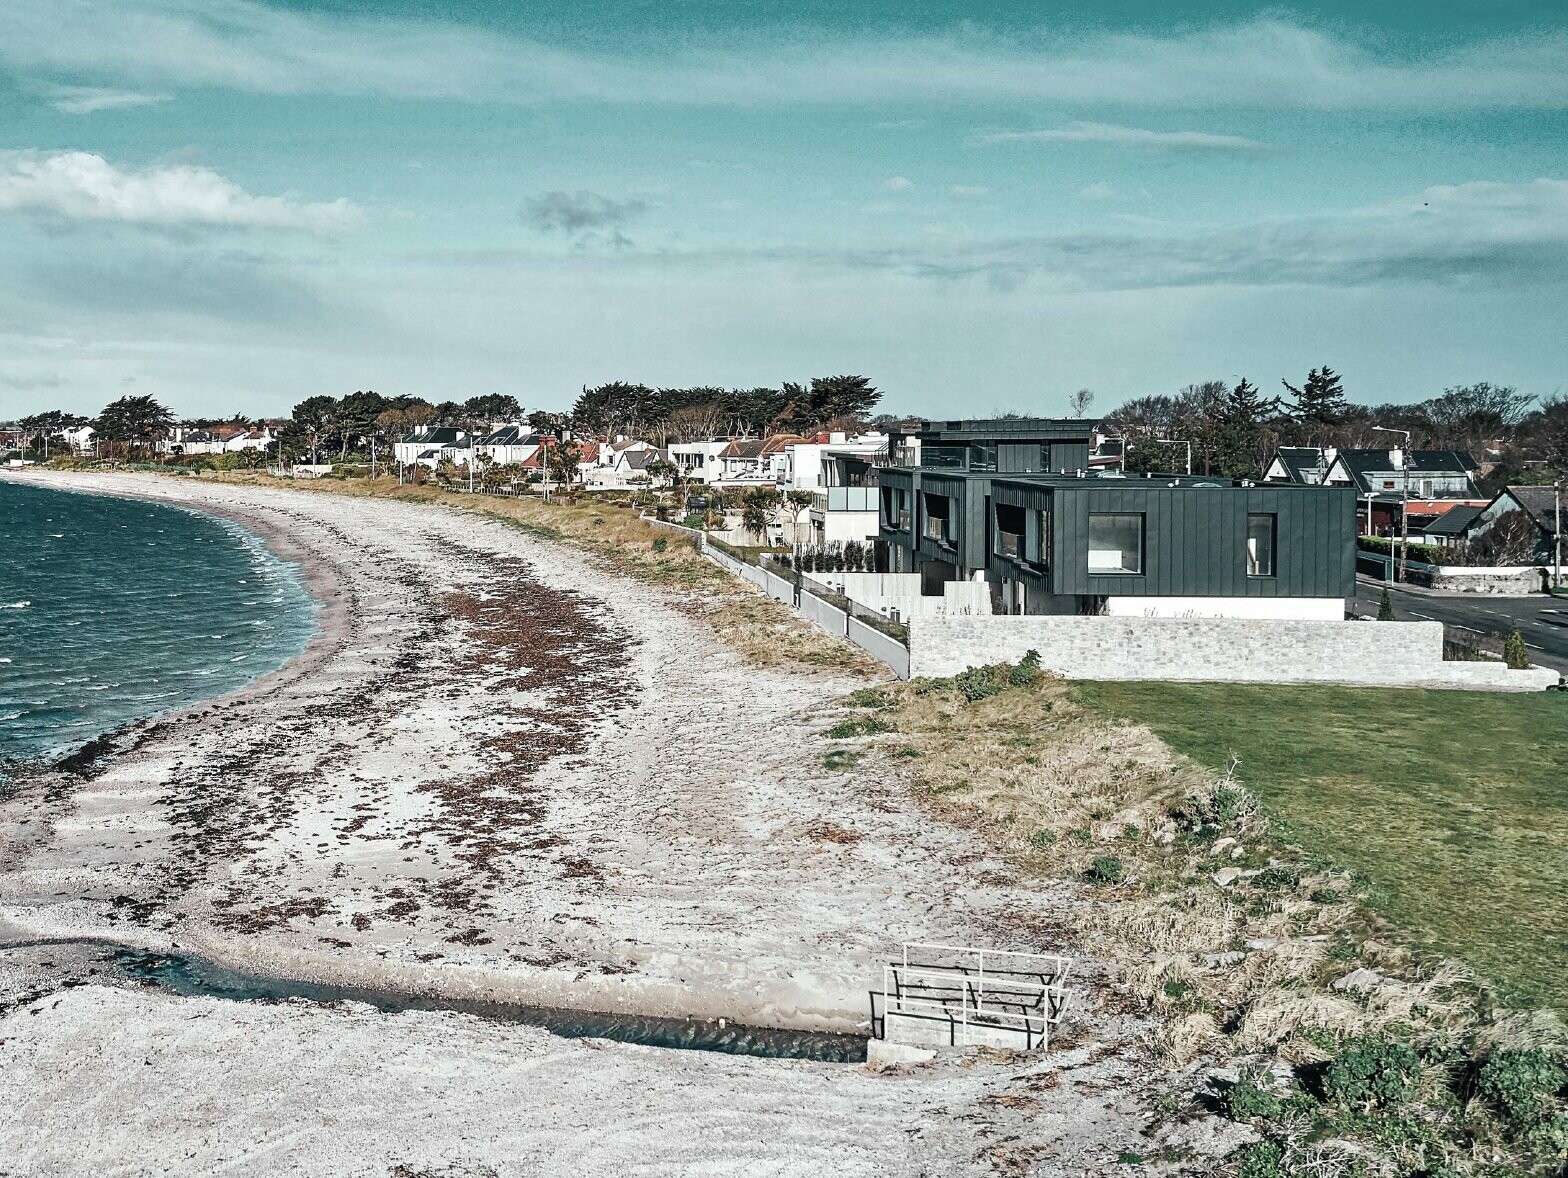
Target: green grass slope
{"points": [[1453, 806]]}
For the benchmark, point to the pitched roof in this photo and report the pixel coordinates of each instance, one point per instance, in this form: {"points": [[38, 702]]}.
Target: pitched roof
{"points": [[507, 435], [1453, 522], [441, 436], [1361, 464], [1539, 503], [639, 459], [1298, 461], [745, 448]]}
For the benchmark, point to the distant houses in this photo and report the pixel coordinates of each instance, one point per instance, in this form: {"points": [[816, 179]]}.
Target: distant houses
{"points": [[1386, 482]]}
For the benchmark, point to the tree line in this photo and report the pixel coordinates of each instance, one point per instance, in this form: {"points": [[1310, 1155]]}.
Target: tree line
{"points": [[1233, 430]]}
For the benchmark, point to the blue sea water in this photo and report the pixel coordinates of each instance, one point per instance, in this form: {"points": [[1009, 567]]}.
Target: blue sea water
{"points": [[114, 610]]}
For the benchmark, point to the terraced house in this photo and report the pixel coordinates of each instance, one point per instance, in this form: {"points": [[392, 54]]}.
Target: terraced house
{"points": [[1012, 502]]}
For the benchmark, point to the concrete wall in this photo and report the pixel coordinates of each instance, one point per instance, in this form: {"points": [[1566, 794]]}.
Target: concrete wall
{"points": [[885, 593], [822, 614], [1306, 609], [1403, 654], [878, 645], [828, 617]]}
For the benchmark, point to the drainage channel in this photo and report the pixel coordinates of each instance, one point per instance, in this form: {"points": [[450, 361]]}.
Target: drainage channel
{"points": [[196, 977]]}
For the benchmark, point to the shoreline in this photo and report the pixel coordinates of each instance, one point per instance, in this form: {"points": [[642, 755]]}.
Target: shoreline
{"points": [[617, 980], [514, 774], [321, 582]]}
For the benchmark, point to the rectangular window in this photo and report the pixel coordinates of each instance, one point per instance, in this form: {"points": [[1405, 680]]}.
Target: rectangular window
{"points": [[936, 526], [1042, 556], [1010, 530], [1260, 545], [1115, 542]]}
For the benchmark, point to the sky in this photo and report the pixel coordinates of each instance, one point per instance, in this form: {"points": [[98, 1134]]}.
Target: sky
{"points": [[232, 205]]}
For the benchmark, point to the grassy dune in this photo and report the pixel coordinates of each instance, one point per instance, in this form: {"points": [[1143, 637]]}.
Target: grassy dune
{"points": [[1451, 806]]}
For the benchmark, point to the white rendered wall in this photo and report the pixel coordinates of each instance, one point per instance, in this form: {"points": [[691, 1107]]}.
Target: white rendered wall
{"points": [[1302, 609]]}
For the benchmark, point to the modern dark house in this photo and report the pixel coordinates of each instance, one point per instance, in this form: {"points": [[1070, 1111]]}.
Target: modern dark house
{"points": [[1012, 502]]}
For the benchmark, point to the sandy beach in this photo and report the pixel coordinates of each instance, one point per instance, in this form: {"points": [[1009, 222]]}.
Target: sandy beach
{"points": [[501, 772]]}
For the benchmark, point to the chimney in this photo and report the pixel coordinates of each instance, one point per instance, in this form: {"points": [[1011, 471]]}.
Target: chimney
{"points": [[1396, 458], [836, 437]]}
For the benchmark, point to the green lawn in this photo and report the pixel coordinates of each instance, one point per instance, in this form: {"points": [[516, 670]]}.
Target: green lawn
{"points": [[1452, 805]]}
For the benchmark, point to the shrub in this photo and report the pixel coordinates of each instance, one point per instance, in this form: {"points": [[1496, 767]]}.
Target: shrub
{"points": [[1224, 805], [1515, 653], [660, 543], [977, 683], [1385, 608], [1252, 1097], [1372, 1070], [857, 726], [1276, 879], [1261, 1159], [1106, 869], [1520, 1083], [1027, 671], [1042, 838]]}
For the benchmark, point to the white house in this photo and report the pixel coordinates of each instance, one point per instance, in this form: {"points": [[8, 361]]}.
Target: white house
{"points": [[509, 445], [424, 444], [699, 461]]}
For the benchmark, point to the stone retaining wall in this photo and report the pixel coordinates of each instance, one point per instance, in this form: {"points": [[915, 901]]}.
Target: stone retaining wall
{"points": [[1393, 654]]}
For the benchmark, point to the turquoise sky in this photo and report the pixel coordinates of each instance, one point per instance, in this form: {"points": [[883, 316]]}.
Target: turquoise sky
{"points": [[233, 205]]}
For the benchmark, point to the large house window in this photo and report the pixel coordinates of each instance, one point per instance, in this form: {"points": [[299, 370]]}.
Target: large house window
{"points": [[1260, 545], [1115, 542], [936, 526], [1042, 558], [1010, 530]]}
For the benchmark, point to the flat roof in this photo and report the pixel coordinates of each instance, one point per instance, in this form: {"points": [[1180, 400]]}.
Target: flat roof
{"points": [[1007, 429]]}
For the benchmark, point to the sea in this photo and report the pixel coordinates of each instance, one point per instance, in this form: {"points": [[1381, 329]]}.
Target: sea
{"points": [[115, 610]]}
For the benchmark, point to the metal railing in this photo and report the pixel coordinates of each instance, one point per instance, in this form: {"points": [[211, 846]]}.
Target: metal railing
{"points": [[1020, 993]]}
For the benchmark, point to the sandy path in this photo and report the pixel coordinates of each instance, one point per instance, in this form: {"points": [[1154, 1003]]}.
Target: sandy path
{"points": [[505, 772]]}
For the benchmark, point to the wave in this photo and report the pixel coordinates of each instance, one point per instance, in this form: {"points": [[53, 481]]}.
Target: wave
{"points": [[17, 605]]}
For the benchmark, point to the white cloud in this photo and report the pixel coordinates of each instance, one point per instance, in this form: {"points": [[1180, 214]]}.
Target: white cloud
{"points": [[86, 100], [898, 184], [968, 191], [1267, 63], [1478, 233], [72, 186], [1135, 138], [1099, 191]]}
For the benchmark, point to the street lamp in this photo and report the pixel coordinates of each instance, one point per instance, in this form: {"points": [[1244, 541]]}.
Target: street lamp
{"points": [[1404, 523]]}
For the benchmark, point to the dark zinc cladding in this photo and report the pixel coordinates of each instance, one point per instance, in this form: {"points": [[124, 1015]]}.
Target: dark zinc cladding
{"points": [[1096, 536], [1011, 500]]}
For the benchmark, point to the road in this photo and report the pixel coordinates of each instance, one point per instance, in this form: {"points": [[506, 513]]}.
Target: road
{"points": [[1543, 621]]}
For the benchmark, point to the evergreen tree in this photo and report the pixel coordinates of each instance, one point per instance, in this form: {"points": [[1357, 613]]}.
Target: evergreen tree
{"points": [[133, 421], [1321, 398], [1385, 608], [1246, 405], [1515, 653]]}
